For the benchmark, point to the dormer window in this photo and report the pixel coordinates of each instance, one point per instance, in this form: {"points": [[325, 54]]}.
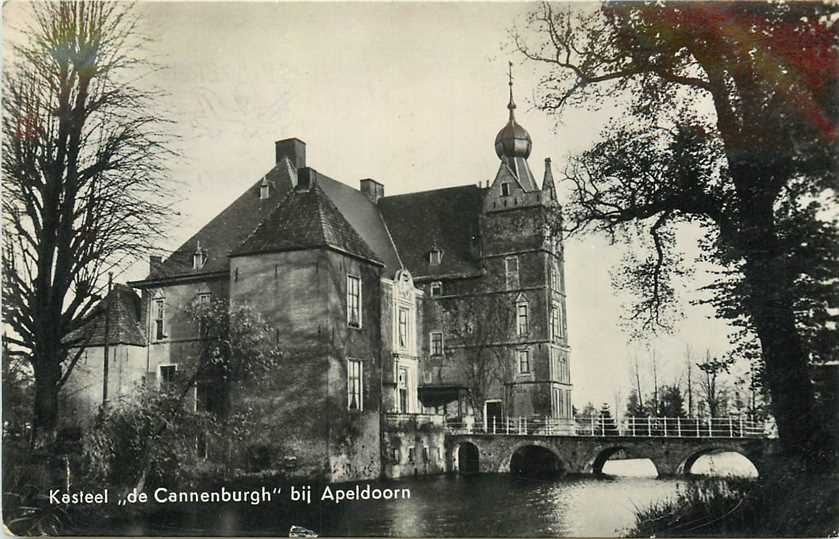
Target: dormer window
{"points": [[435, 256], [199, 257], [505, 189], [264, 189], [436, 288]]}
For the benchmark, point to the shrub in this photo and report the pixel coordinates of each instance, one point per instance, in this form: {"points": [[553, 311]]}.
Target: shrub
{"points": [[789, 501], [151, 440]]}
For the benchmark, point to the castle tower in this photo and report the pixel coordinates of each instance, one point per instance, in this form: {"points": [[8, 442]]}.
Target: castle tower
{"points": [[523, 256]]}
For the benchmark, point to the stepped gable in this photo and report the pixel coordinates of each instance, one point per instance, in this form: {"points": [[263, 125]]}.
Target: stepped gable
{"points": [[230, 228], [306, 219], [123, 326], [445, 219]]}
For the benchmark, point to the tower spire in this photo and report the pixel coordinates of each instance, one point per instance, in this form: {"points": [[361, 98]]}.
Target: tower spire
{"points": [[512, 104]]}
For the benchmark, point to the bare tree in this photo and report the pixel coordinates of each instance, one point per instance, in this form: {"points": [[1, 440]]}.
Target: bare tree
{"points": [[480, 326], [638, 391], [654, 369], [689, 380], [711, 386], [85, 183]]}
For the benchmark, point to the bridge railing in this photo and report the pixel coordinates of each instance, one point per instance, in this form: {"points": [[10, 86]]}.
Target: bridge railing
{"points": [[639, 427]]}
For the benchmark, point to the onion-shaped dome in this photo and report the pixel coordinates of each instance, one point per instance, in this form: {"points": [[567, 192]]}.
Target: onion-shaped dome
{"points": [[513, 140]]}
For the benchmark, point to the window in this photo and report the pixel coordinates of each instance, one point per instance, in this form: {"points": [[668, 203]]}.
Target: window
{"points": [[559, 367], [436, 289], [567, 400], [505, 189], [439, 454], [166, 377], [425, 453], [396, 455], [411, 455], [564, 372], [560, 319], [523, 361], [556, 330], [435, 256], [159, 317], [511, 271], [264, 190], [555, 278], [353, 301], [521, 319], [427, 377], [436, 343], [402, 388], [354, 380], [203, 302], [403, 328]]}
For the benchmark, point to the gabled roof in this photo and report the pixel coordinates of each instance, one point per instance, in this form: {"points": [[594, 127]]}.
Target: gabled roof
{"points": [[305, 219], [228, 229], [445, 219], [123, 321]]}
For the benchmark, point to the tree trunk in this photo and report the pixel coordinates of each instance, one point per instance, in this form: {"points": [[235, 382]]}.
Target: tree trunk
{"points": [[45, 416], [770, 303]]}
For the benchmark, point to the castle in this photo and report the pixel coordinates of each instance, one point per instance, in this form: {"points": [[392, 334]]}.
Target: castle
{"points": [[398, 313]]}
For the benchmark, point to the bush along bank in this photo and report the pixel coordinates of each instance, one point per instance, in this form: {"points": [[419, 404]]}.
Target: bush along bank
{"points": [[788, 503]]}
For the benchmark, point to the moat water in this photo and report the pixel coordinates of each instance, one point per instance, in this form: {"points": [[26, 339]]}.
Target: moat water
{"points": [[486, 505]]}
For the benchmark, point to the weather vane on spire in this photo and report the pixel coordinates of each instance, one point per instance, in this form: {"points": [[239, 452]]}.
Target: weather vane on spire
{"points": [[511, 105]]}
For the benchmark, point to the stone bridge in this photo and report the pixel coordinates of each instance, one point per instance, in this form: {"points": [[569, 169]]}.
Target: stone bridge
{"points": [[499, 453]]}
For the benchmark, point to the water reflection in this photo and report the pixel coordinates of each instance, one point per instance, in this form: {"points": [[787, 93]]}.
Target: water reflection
{"points": [[487, 505], [724, 464], [631, 468], [507, 505]]}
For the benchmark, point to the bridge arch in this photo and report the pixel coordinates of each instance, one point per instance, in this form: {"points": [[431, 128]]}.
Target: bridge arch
{"points": [[466, 457], [601, 455], [534, 456], [688, 459]]}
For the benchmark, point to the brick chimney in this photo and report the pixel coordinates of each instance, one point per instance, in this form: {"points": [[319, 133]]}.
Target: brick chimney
{"points": [[294, 149], [307, 177], [154, 262], [372, 189]]}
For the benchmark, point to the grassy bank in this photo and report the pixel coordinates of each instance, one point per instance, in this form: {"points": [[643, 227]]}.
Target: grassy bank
{"points": [[787, 504]]}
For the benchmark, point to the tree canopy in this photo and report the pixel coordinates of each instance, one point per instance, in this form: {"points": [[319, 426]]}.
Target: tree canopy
{"points": [[729, 124]]}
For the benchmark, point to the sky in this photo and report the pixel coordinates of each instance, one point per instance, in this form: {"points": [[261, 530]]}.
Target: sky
{"points": [[410, 95]]}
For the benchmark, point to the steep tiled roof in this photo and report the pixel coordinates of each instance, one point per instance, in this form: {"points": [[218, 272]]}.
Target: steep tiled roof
{"points": [[444, 218], [305, 219], [228, 229], [364, 218], [123, 323]]}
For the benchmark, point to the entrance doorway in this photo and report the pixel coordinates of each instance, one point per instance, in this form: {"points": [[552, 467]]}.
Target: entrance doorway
{"points": [[467, 459], [493, 415]]}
